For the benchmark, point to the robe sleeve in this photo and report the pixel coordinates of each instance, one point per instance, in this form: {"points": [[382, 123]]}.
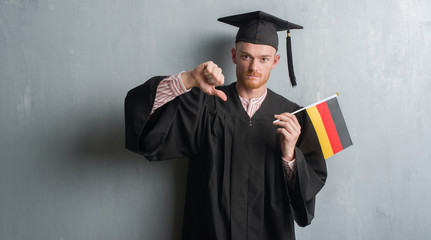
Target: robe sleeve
{"points": [[171, 132], [311, 174]]}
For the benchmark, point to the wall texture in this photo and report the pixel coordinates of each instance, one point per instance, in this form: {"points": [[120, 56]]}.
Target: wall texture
{"points": [[65, 67]]}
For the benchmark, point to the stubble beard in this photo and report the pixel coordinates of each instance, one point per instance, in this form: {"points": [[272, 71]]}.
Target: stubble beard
{"points": [[242, 79]]}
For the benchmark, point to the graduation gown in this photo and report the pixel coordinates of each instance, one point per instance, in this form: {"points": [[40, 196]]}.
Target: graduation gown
{"points": [[237, 187]]}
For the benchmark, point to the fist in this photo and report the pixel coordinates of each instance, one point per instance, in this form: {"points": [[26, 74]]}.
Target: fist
{"points": [[206, 76]]}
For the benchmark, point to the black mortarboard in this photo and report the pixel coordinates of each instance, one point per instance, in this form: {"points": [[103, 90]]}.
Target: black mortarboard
{"points": [[261, 28]]}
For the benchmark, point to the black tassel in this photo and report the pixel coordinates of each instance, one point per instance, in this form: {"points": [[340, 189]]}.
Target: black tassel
{"points": [[290, 59]]}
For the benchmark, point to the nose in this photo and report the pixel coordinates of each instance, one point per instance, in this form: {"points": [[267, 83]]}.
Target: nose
{"points": [[253, 65]]}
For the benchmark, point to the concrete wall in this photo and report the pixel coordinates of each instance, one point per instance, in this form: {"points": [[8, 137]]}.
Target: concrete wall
{"points": [[65, 67]]}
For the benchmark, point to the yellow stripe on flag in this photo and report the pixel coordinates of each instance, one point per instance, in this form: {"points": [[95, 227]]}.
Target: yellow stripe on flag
{"points": [[321, 131]]}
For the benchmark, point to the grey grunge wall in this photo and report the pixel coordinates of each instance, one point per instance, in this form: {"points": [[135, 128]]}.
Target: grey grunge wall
{"points": [[66, 66]]}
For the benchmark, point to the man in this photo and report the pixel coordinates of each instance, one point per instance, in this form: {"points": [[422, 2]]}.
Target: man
{"points": [[249, 177]]}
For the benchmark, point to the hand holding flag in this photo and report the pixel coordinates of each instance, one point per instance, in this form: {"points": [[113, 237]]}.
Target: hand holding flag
{"points": [[329, 125], [289, 130]]}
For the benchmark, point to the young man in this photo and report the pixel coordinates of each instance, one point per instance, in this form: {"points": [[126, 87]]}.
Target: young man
{"points": [[249, 178]]}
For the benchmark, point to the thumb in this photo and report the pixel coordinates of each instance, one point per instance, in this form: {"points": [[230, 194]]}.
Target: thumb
{"points": [[220, 94]]}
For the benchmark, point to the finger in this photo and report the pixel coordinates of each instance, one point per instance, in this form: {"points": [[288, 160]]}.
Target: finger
{"points": [[284, 134], [281, 130], [209, 68], [211, 75], [281, 119], [214, 76], [220, 79], [287, 117], [295, 119], [289, 125], [218, 76], [291, 128]]}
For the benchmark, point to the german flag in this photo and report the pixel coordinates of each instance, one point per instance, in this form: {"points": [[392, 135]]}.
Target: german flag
{"points": [[330, 127]]}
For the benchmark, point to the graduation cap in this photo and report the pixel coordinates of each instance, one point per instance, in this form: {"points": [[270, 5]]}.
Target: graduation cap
{"points": [[261, 28]]}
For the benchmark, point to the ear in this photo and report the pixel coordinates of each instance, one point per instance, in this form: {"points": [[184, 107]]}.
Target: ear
{"points": [[233, 51], [276, 59]]}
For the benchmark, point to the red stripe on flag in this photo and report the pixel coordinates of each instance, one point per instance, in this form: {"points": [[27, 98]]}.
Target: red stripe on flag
{"points": [[330, 128]]}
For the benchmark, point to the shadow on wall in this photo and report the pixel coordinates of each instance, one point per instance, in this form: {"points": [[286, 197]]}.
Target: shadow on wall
{"points": [[101, 138], [110, 184], [93, 156]]}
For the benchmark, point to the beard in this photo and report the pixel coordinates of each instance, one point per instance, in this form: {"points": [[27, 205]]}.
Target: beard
{"points": [[245, 80]]}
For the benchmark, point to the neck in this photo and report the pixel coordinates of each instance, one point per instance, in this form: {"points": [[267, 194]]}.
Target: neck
{"points": [[250, 93]]}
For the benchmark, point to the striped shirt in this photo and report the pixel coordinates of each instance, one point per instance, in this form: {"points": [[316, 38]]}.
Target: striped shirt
{"points": [[168, 89], [172, 87], [251, 106]]}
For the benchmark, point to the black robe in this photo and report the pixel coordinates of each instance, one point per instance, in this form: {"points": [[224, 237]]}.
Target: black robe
{"points": [[237, 187]]}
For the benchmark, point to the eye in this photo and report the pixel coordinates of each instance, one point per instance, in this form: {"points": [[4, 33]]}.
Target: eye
{"points": [[264, 59], [246, 57]]}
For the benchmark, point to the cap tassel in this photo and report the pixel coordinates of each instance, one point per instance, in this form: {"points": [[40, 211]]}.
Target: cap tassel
{"points": [[290, 59]]}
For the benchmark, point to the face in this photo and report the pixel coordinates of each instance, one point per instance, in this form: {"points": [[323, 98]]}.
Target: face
{"points": [[254, 63]]}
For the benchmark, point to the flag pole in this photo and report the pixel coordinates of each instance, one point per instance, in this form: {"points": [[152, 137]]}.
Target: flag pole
{"points": [[312, 105]]}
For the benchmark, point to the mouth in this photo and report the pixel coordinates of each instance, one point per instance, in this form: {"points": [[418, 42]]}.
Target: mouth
{"points": [[252, 75]]}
